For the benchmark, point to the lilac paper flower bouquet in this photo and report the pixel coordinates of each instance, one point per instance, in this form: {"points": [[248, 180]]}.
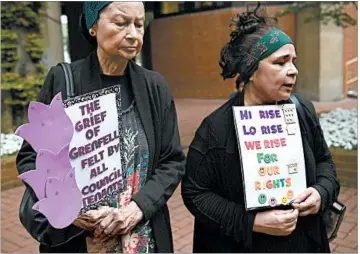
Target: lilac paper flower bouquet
{"points": [[78, 163], [49, 132]]}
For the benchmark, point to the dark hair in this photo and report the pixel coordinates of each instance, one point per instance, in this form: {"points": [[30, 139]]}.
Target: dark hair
{"points": [[238, 82], [247, 28], [85, 32]]}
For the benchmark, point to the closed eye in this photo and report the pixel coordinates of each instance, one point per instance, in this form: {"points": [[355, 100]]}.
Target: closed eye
{"points": [[120, 24], [280, 63]]}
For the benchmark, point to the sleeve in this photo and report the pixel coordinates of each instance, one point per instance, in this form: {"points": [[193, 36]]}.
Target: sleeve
{"points": [[170, 169], [198, 192], [327, 183], [33, 221]]}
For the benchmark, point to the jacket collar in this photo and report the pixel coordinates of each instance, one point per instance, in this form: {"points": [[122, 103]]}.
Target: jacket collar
{"points": [[91, 81], [142, 95], [90, 74]]}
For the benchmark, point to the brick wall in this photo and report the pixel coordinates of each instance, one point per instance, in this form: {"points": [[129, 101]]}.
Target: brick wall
{"points": [[351, 43], [186, 49]]}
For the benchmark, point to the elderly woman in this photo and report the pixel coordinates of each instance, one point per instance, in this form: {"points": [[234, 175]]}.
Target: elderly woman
{"points": [[212, 187], [141, 222]]}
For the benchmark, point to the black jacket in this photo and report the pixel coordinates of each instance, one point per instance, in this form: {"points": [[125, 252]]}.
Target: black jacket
{"points": [[167, 161], [213, 192]]}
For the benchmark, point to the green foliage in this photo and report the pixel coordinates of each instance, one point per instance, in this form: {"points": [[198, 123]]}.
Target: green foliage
{"points": [[9, 56], [26, 88], [25, 18], [34, 47], [329, 12], [21, 15]]}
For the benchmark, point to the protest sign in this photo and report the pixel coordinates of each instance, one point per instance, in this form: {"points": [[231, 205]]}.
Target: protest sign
{"points": [[94, 150], [271, 152], [78, 163]]}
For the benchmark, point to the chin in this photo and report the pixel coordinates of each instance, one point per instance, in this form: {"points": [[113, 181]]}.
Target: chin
{"points": [[128, 55], [284, 96]]}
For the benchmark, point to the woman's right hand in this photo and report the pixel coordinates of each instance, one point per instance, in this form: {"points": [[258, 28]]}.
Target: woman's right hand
{"points": [[92, 218], [276, 222]]}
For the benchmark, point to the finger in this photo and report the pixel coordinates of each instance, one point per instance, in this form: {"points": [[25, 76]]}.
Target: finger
{"points": [[290, 217], [130, 224], [114, 227], [104, 224], [120, 228], [302, 196], [312, 210], [305, 213], [291, 229], [307, 204], [290, 224], [98, 214], [278, 212], [125, 230], [109, 229], [295, 205]]}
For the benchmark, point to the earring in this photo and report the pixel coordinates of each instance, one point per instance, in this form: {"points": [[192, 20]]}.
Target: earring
{"points": [[92, 32]]}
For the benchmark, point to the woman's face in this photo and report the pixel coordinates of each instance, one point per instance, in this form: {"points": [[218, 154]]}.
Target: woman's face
{"points": [[276, 75], [120, 29]]}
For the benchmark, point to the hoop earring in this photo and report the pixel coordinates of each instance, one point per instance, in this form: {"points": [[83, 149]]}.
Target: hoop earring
{"points": [[92, 32]]}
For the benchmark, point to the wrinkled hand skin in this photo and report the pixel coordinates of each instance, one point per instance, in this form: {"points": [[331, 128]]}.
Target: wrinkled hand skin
{"points": [[108, 225], [308, 202], [92, 218], [276, 222], [120, 221], [89, 221]]}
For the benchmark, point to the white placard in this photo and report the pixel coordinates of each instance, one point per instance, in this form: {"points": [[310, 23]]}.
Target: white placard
{"points": [[271, 153], [95, 149]]}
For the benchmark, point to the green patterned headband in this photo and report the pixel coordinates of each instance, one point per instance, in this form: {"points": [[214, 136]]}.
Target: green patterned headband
{"points": [[268, 44]]}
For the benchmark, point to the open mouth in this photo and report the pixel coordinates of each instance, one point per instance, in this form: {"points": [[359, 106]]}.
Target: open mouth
{"points": [[129, 48], [289, 85]]}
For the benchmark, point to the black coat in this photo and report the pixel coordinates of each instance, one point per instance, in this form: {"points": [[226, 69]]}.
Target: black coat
{"points": [[212, 187], [166, 165]]}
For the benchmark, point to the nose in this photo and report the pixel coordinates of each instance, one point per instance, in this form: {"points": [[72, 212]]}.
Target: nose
{"points": [[293, 71], [131, 32]]}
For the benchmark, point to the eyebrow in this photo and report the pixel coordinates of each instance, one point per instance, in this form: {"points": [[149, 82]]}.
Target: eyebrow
{"points": [[285, 56]]}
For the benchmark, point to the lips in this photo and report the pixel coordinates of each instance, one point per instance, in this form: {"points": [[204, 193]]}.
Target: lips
{"points": [[288, 85]]}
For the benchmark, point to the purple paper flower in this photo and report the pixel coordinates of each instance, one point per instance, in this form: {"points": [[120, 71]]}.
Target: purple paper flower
{"points": [[47, 165], [49, 126], [63, 201]]}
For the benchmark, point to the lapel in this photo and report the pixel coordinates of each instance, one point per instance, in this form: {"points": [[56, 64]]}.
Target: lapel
{"points": [[91, 81], [90, 74], [231, 144], [140, 89]]}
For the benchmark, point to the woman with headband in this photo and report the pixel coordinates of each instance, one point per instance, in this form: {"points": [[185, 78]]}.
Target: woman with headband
{"points": [[152, 157], [264, 59]]}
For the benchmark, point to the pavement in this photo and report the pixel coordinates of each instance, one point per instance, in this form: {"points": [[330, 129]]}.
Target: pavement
{"points": [[14, 237]]}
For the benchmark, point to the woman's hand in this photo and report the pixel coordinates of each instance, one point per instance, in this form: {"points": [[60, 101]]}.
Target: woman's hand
{"points": [[276, 222], [308, 202], [120, 221], [92, 218]]}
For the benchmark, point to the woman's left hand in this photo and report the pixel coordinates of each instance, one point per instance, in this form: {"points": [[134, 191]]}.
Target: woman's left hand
{"points": [[308, 202], [120, 221]]}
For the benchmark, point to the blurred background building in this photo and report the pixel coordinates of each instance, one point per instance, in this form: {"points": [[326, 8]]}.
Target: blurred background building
{"points": [[184, 39], [183, 42]]}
